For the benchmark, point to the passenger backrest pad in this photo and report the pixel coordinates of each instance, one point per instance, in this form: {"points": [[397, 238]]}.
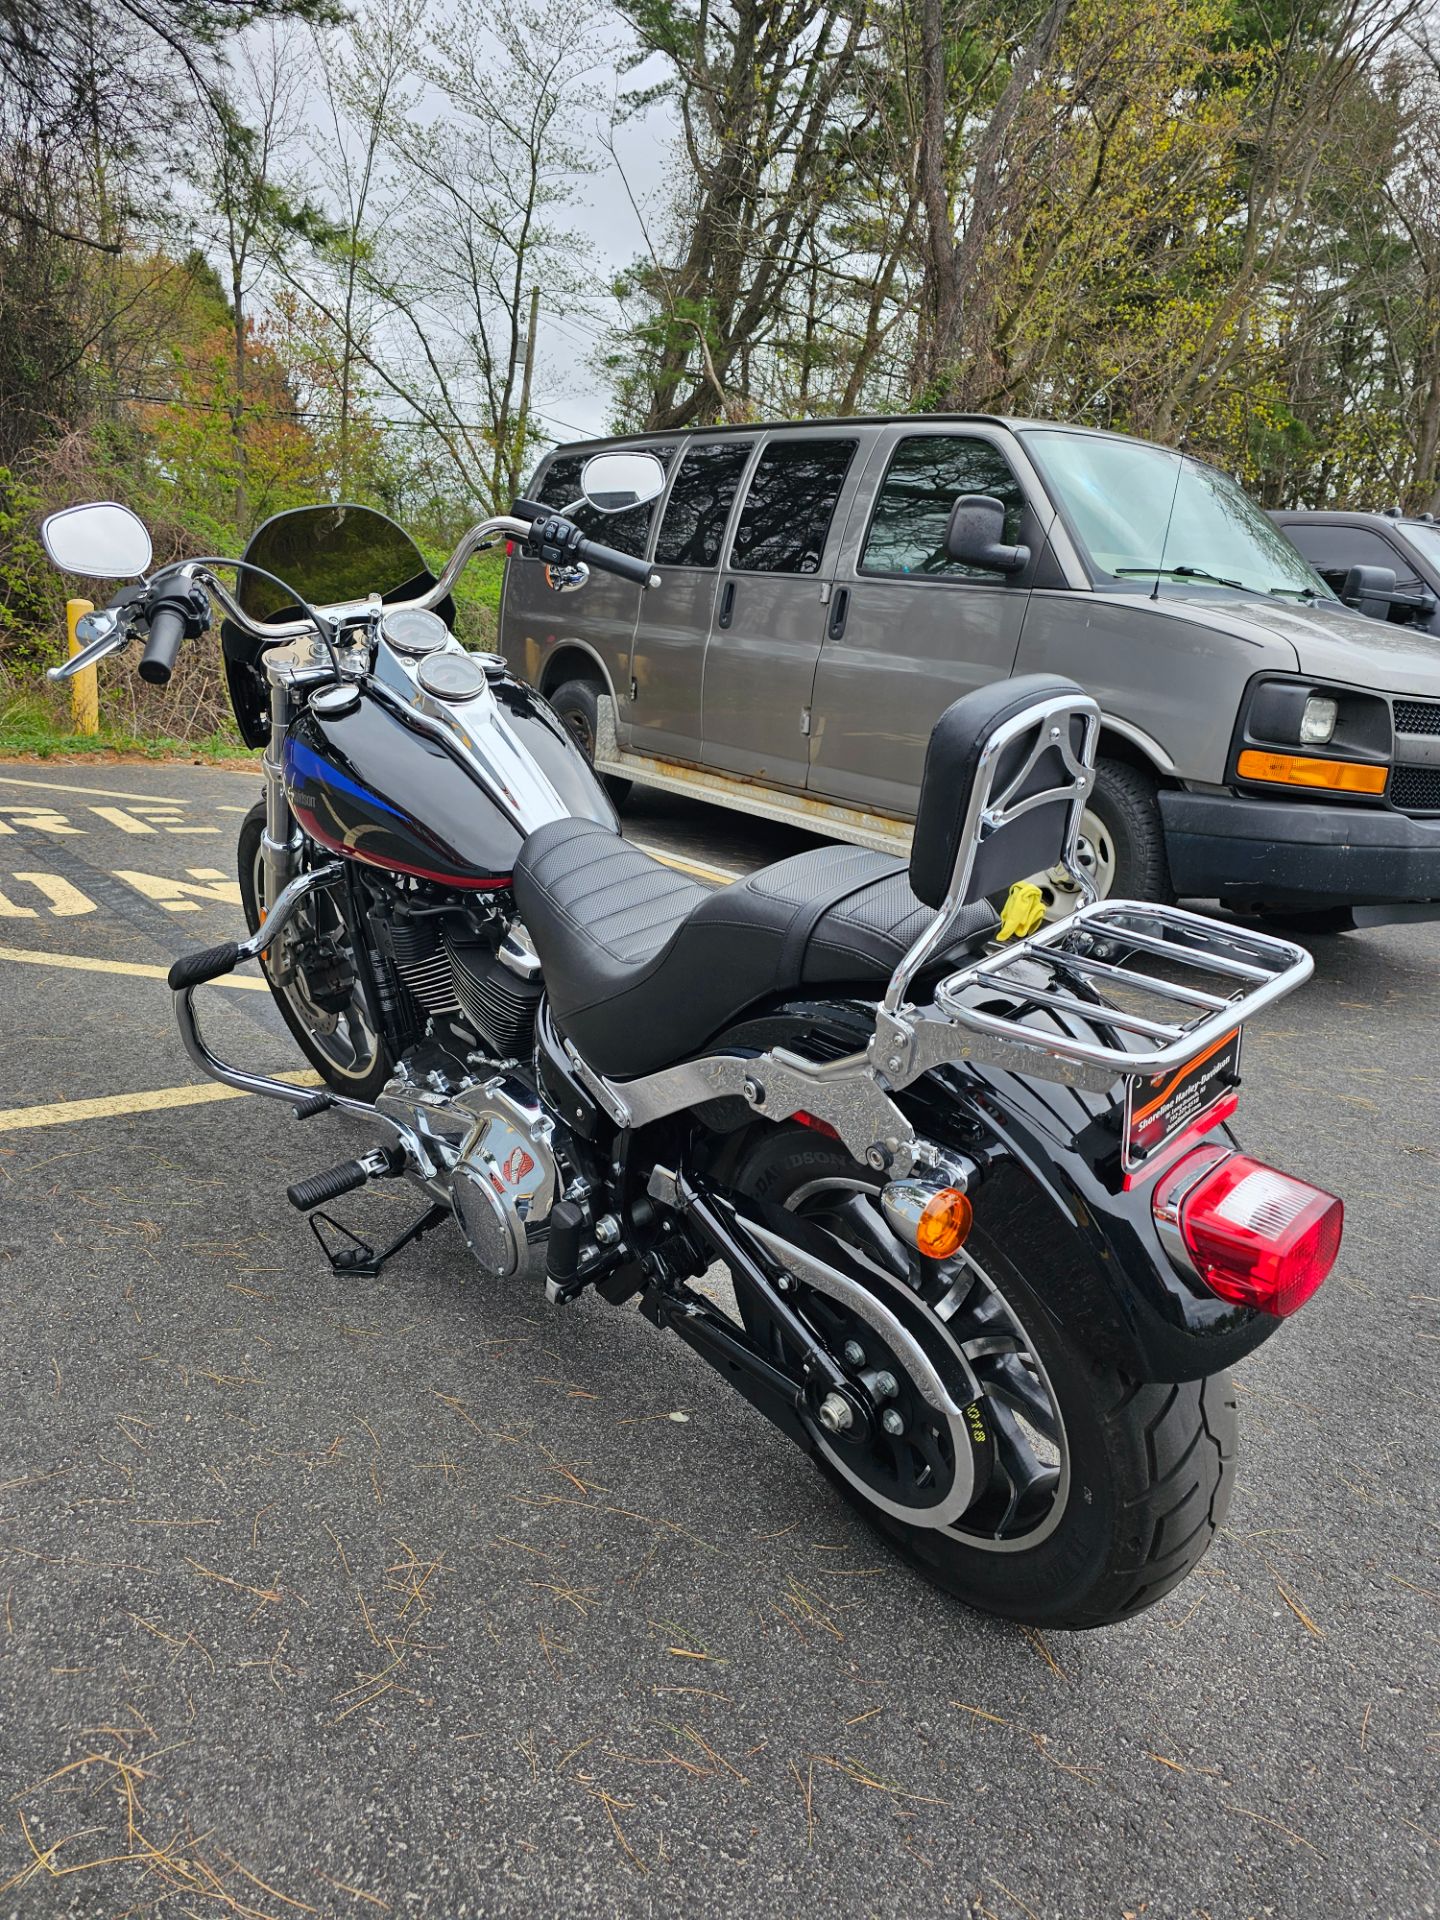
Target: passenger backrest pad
{"points": [[981, 748]]}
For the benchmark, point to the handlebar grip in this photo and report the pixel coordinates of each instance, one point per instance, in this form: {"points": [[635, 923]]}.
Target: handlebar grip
{"points": [[625, 565], [194, 969], [167, 630]]}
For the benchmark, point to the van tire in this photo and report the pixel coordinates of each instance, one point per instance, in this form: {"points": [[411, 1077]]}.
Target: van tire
{"points": [[575, 701], [1125, 799]]}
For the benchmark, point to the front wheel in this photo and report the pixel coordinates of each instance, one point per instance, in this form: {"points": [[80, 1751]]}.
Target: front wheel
{"points": [[1086, 1495], [576, 703], [316, 983], [1121, 847]]}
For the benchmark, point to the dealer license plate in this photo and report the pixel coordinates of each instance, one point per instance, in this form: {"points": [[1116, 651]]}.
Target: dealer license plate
{"points": [[1158, 1110]]}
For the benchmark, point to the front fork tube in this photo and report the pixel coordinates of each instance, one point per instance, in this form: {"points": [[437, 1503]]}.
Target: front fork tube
{"points": [[281, 841]]}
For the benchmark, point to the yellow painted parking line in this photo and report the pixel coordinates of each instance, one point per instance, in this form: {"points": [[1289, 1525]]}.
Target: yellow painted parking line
{"points": [[60, 1113], [722, 876], [105, 793], [65, 901], [83, 963]]}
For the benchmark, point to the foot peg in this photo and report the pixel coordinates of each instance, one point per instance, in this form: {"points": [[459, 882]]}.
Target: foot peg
{"points": [[194, 969], [382, 1163]]}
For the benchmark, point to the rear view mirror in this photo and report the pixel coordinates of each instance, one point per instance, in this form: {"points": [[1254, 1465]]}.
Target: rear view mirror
{"points": [[613, 482], [975, 536], [102, 541], [1369, 590]]}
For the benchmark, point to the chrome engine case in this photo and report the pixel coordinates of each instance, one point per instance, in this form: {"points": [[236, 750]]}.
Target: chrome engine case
{"points": [[490, 1145]]}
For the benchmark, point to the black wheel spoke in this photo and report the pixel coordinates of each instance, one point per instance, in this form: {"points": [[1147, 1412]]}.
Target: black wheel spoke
{"points": [[857, 1221], [1025, 1473], [1005, 1377]]}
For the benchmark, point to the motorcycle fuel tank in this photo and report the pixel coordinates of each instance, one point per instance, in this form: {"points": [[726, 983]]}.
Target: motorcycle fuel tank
{"points": [[445, 790]]}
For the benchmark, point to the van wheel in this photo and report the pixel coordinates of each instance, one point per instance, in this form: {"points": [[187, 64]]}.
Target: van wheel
{"points": [[1122, 844], [575, 702]]}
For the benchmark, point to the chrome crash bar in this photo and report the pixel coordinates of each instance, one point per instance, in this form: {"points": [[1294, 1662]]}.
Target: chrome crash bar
{"points": [[265, 936]]}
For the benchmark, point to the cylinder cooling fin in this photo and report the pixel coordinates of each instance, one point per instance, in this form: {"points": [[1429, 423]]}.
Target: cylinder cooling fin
{"points": [[449, 974]]}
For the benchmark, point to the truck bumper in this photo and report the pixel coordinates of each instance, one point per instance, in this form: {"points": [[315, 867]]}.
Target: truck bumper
{"points": [[1255, 852]]}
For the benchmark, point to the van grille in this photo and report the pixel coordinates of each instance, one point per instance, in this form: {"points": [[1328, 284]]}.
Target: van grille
{"points": [[1415, 789], [1417, 716]]}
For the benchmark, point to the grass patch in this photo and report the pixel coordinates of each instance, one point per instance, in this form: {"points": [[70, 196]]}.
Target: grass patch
{"points": [[31, 728]]}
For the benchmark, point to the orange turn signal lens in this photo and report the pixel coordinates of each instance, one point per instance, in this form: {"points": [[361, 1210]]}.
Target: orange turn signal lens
{"points": [[943, 1225], [1294, 770]]}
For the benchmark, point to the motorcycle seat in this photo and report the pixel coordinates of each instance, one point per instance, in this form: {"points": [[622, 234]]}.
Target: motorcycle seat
{"points": [[643, 966]]}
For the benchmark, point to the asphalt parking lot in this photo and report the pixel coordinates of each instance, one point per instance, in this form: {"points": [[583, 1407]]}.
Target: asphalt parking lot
{"points": [[419, 1596]]}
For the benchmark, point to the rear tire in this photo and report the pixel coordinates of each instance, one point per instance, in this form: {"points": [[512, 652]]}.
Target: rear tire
{"points": [[357, 1085], [576, 703], [1149, 1467]]}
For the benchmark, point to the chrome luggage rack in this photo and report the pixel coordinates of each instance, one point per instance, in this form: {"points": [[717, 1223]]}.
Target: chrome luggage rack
{"points": [[1111, 1020]]}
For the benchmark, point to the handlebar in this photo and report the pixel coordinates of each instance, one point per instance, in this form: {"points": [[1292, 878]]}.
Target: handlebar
{"points": [[169, 624], [624, 565], [167, 630]]}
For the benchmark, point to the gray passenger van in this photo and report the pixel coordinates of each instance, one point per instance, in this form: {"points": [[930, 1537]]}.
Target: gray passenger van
{"points": [[826, 588]]}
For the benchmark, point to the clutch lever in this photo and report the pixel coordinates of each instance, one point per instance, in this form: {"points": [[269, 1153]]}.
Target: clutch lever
{"points": [[105, 631]]}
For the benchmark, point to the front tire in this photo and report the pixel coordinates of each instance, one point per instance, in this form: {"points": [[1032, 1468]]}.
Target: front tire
{"points": [[352, 1059], [1122, 844], [1140, 1473]]}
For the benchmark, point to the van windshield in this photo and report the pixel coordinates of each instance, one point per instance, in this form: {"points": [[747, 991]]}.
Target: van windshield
{"points": [[1426, 538], [1117, 497]]}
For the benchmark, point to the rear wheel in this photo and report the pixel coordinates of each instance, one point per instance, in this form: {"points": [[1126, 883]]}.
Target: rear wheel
{"points": [[316, 983], [1083, 1496], [576, 703]]}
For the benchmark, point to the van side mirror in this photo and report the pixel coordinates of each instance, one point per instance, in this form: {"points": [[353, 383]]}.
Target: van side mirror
{"points": [[975, 535], [1369, 590]]}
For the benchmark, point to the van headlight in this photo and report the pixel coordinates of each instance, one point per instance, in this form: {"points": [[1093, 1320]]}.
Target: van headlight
{"points": [[1317, 721], [1295, 733]]}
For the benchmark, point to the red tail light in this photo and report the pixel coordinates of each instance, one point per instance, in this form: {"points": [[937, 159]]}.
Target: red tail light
{"points": [[1260, 1238]]}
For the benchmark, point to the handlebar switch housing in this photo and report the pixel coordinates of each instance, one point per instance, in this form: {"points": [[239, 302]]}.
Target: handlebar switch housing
{"points": [[186, 598], [555, 540]]}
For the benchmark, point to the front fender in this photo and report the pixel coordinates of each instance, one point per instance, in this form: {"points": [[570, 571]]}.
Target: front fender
{"points": [[1050, 1194]]}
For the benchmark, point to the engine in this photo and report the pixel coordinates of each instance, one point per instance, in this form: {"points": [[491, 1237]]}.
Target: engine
{"points": [[450, 971], [477, 989]]}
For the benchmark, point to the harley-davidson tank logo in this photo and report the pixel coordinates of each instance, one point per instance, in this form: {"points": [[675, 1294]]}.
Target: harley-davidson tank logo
{"points": [[516, 1167]]}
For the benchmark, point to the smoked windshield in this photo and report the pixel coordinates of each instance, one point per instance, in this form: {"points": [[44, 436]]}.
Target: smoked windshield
{"points": [[1117, 497], [330, 554]]}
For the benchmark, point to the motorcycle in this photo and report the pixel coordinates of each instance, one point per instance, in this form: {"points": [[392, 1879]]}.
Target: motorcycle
{"points": [[993, 1247]]}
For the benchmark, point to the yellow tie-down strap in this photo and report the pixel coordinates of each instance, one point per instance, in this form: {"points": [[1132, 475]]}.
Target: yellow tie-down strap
{"points": [[1023, 912]]}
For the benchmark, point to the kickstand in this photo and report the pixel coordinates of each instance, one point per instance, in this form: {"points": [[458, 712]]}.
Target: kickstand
{"points": [[359, 1258]]}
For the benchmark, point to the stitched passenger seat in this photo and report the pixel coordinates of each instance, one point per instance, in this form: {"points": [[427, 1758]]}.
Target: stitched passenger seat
{"points": [[643, 966]]}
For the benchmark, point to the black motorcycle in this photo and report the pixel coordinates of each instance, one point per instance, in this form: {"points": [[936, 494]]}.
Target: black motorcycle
{"points": [[992, 1247]]}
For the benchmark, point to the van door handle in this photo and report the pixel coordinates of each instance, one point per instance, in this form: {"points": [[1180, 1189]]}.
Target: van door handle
{"points": [[727, 605], [839, 610]]}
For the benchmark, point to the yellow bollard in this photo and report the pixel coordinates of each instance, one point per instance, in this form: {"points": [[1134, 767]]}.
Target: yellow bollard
{"points": [[85, 687]]}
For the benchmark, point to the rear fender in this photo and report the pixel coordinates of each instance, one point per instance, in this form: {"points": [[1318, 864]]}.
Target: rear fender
{"points": [[1050, 1193]]}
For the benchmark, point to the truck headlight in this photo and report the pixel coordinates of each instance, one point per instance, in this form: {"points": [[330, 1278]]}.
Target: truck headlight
{"points": [[1317, 722]]}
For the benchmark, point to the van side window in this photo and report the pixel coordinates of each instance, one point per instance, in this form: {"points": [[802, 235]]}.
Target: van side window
{"points": [[791, 502], [700, 500], [627, 532], [926, 475]]}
